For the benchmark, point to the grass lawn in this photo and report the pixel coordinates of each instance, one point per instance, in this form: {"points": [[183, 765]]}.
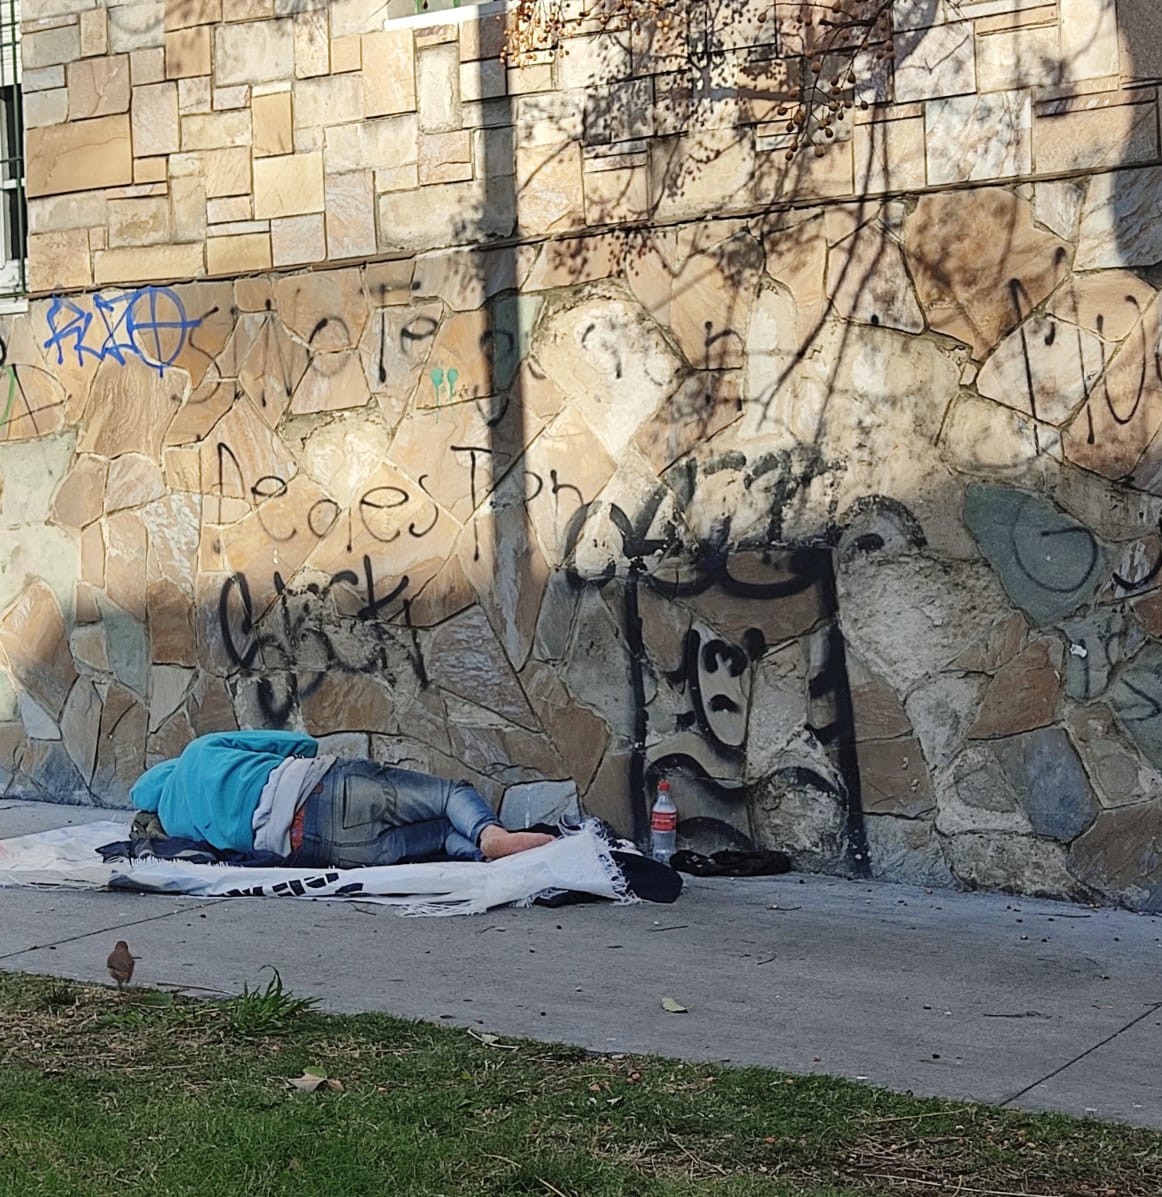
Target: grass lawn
{"points": [[144, 1093]]}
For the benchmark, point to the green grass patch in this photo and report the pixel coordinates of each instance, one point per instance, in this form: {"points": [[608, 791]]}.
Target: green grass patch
{"points": [[148, 1093]]}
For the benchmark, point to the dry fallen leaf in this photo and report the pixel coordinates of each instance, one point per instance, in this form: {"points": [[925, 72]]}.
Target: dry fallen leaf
{"points": [[309, 1082]]}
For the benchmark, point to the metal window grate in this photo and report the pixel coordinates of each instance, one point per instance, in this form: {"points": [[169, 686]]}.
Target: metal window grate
{"points": [[13, 205]]}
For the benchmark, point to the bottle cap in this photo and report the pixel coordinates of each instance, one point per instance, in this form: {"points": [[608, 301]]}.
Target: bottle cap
{"points": [[664, 785]]}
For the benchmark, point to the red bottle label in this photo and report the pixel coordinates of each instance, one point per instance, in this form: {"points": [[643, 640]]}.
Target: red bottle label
{"points": [[664, 820]]}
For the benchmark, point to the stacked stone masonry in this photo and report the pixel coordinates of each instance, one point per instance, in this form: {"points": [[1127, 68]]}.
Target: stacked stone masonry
{"points": [[546, 423]]}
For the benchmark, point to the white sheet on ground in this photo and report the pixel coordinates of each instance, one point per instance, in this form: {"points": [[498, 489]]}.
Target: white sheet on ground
{"points": [[67, 856]]}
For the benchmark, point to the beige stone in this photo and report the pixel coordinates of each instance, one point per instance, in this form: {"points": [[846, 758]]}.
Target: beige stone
{"points": [[94, 26], [962, 270], [549, 195], [327, 310], [397, 178], [120, 745], [154, 113], [139, 222], [690, 173], [524, 80], [346, 54], [333, 381], [889, 155], [236, 255], [132, 481], [79, 156], [312, 45], [1115, 432], [59, 261], [438, 88], [171, 629], [78, 500], [979, 137], [159, 263], [43, 79], [248, 10], [216, 130], [289, 185], [1089, 40], [333, 100], [46, 108], [98, 87], [445, 157], [482, 81], [252, 452], [350, 214], [93, 554], [272, 367], [298, 240], [226, 172], [228, 209], [50, 47], [939, 61], [613, 196], [389, 74], [348, 700], [1015, 58], [371, 145], [150, 170], [255, 52], [180, 14], [145, 66], [389, 282], [1081, 138], [188, 209], [137, 25], [195, 95], [34, 639], [237, 96], [273, 131], [867, 281], [75, 211], [187, 52]]}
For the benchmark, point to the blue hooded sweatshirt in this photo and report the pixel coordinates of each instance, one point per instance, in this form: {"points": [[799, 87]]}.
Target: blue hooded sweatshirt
{"points": [[211, 791]]}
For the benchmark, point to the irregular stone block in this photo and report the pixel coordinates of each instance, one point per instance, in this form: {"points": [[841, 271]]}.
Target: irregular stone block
{"points": [[33, 636], [1120, 856], [1052, 786], [1024, 694], [973, 285], [1048, 563]]}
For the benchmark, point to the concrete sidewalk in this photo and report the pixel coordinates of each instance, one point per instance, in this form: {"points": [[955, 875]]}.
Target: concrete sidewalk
{"points": [[977, 996]]}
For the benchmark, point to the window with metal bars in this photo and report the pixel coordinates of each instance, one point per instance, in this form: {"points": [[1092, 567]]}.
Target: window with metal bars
{"points": [[13, 210]]}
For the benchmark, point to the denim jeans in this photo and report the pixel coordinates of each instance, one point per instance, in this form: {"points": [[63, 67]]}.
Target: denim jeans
{"points": [[363, 813]]}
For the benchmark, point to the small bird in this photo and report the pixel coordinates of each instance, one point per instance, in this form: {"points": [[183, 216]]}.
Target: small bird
{"points": [[120, 963]]}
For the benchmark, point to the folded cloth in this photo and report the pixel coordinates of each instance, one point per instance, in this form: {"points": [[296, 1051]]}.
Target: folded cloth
{"points": [[732, 862]]}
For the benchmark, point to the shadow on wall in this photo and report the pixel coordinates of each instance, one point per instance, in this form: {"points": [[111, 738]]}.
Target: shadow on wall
{"points": [[841, 517]]}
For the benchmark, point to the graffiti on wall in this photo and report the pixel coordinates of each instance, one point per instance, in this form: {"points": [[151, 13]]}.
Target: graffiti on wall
{"points": [[148, 323]]}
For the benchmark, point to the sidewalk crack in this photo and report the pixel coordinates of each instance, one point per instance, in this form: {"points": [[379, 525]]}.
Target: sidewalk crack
{"points": [[1153, 1009]]}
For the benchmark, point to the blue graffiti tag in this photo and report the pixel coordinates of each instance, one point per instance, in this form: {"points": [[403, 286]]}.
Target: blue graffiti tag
{"points": [[149, 323]]}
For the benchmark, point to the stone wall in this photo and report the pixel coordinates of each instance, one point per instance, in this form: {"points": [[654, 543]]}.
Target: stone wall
{"points": [[548, 422]]}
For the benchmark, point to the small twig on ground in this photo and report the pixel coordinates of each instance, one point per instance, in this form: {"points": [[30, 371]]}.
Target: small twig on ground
{"points": [[551, 1188], [700, 1162], [936, 1184], [917, 1117]]}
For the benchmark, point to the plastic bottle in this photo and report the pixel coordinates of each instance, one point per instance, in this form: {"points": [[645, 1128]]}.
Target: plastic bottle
{"points": [[663, 825]]}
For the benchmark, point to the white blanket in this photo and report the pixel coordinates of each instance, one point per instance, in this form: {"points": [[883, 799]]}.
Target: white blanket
{"points": [[579, 860]]}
